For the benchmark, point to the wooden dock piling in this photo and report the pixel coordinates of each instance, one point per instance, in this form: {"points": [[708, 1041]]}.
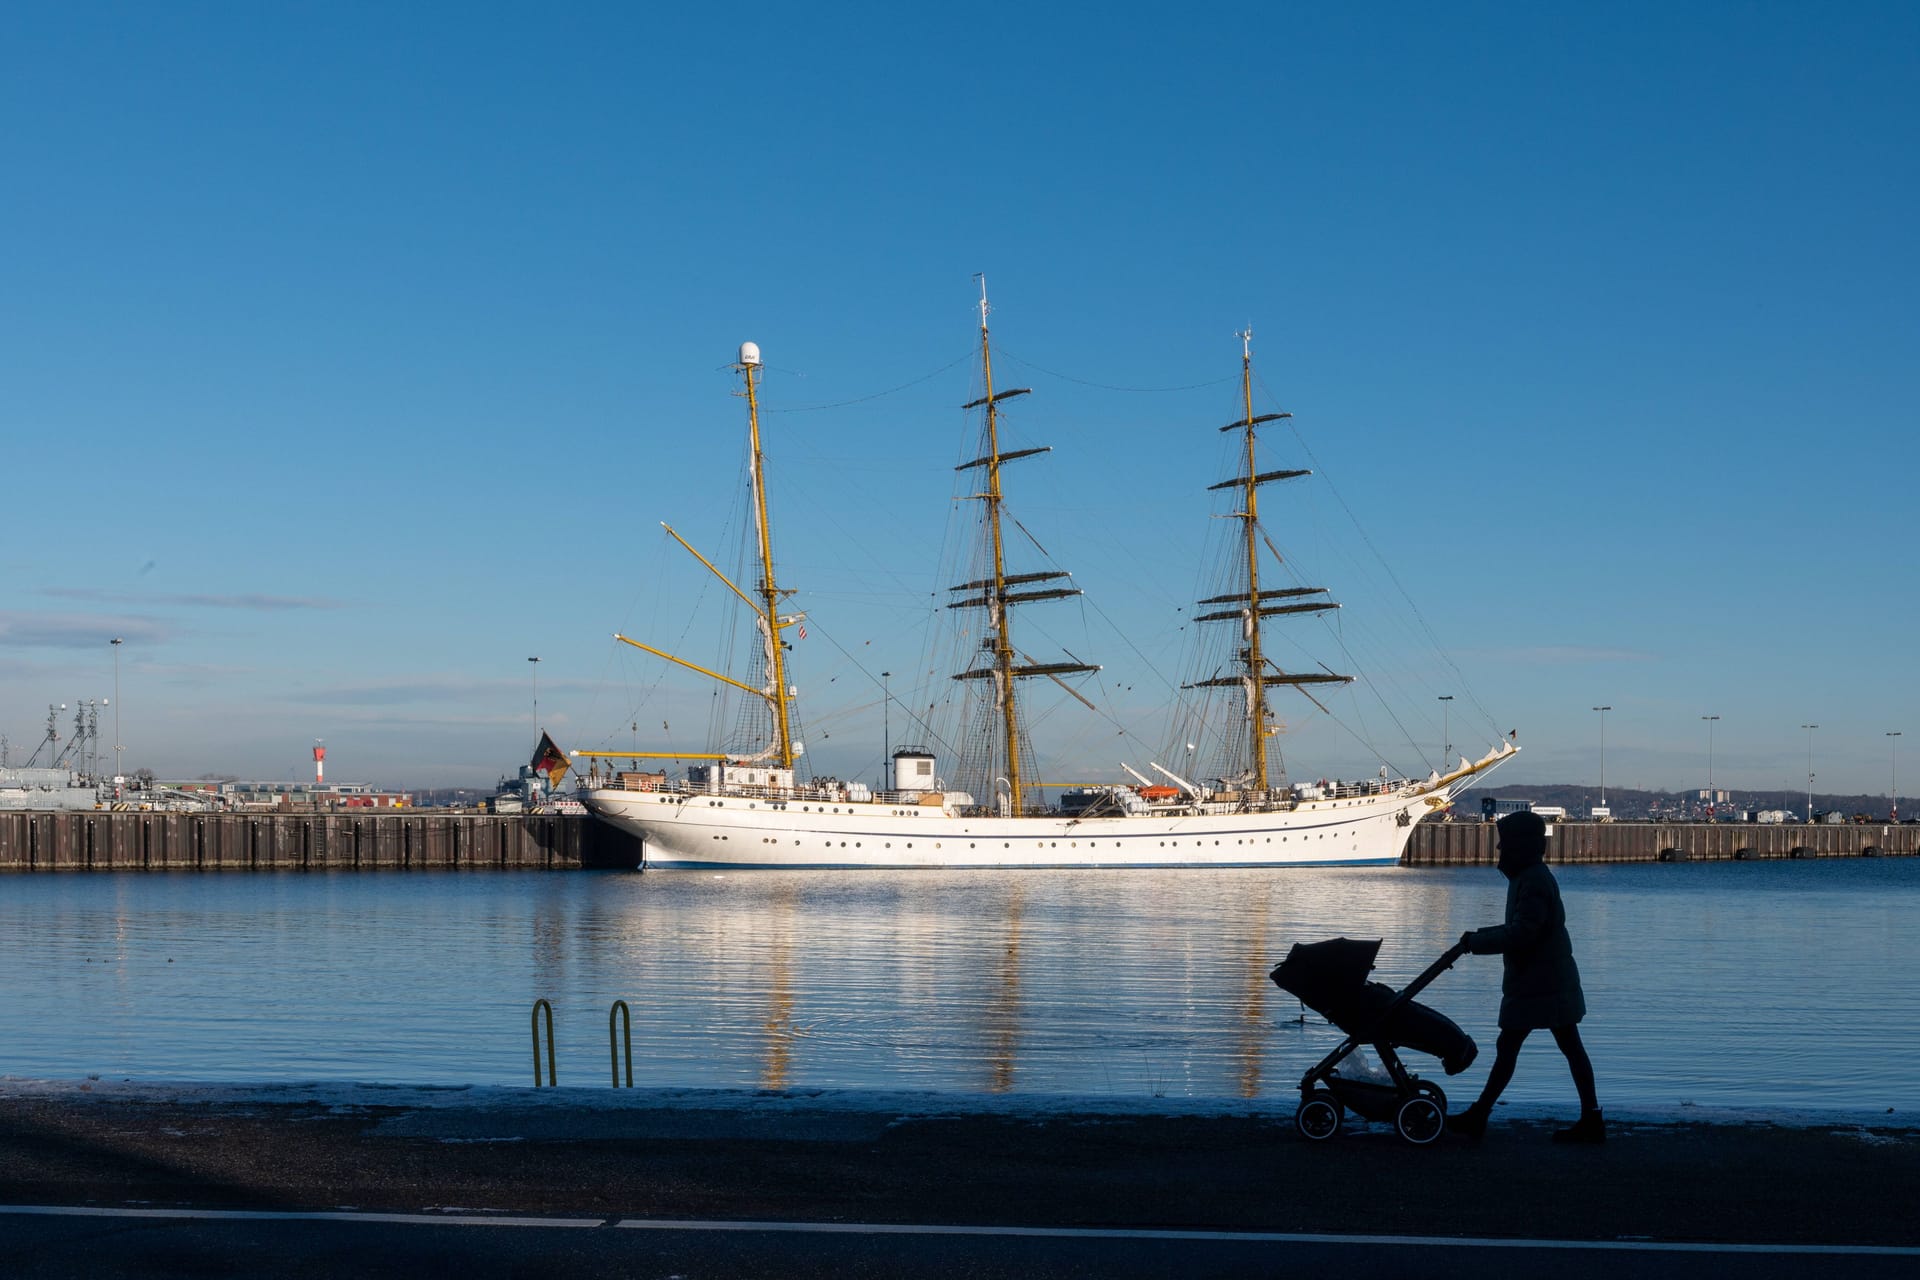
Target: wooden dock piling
{"points": [[103, 840], [1446, 844]]}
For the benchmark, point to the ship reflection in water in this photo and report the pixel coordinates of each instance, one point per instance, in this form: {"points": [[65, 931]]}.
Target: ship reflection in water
{"points": [[1116, 983]]}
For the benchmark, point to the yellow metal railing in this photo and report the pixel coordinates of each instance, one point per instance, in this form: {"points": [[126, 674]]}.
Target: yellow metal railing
{"points": [[553, 1075]]}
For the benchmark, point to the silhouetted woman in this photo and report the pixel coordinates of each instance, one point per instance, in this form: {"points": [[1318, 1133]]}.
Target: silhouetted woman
{"points": [[1541, 986]]}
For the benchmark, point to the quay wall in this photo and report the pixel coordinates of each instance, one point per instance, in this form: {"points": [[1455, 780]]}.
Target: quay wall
{"points": [[1445, 844], [101, 840]]}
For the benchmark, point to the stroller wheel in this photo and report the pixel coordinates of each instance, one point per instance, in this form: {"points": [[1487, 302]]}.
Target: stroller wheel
{"points": [[1429, 1089], [1420, 1119], [1319, 1116]]}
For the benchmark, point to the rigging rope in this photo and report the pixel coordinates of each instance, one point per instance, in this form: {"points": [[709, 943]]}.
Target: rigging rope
{"points": [[878, 395], [1432, 637], [1191, 386]]}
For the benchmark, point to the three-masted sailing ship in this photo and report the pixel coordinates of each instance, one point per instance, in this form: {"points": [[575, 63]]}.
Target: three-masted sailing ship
{"points": [[747, 808]]}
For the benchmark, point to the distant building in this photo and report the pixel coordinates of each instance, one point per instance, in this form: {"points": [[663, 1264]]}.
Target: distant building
{"points": [[308, 796]]}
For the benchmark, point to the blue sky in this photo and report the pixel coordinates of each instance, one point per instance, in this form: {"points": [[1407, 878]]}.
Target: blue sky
{"points": [[350, 355]]}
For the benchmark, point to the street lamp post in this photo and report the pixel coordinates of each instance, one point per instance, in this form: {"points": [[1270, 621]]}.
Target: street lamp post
{"points": [[118, 772], [1603, 752], [1710, 795], [1446, 733], [1893, 777], [1809, 728], [535, 668]]}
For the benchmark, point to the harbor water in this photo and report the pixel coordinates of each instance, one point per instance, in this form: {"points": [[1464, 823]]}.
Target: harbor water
{"points": [[1783, 984]]}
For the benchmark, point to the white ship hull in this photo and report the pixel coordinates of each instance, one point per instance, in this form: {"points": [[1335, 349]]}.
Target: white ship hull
{"points": [[694, 830]]}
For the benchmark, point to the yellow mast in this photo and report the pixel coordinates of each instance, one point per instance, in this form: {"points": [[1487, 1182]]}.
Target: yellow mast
{"points": [[1003, 638], [998, 594], [749, 366], [1256, 690], [1250, 606]]}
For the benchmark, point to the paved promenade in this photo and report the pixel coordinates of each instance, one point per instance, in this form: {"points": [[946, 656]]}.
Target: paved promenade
{"points": [[640, 1158]]}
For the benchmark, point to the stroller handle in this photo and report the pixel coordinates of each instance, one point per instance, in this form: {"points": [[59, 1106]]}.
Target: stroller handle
{"points": [[1427, 975]]}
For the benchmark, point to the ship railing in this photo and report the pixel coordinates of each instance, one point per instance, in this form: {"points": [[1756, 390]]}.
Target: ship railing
{"points": [[829, 793], [1356, 790]]}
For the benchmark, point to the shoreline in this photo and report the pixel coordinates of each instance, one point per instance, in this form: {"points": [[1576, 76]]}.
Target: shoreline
{"points": [[349, 1096]]}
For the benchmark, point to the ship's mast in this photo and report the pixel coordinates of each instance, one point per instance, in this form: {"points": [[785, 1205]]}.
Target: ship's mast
{"points": [[749, 367], [997, 593], [1258, 714], [1257, 672], [1003, 620]]}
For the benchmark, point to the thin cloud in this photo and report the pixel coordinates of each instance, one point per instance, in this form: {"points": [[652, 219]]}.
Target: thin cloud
{"points": [[244, 600], [25, 630]]}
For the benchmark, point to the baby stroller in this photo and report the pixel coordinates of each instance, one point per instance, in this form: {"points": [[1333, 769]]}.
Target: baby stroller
{"points": [[1331, 978]]}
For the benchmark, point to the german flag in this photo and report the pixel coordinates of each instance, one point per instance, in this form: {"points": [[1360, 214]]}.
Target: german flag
{"points": [[549, 759]]}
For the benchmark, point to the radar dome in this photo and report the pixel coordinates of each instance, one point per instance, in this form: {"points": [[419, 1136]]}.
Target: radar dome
{"points": [[750, 353]]}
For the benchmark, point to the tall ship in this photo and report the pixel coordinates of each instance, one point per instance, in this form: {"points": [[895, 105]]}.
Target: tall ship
{"points": [[754, 807]]}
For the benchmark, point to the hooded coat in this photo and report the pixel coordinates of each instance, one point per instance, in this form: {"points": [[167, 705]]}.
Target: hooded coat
{"points": [[1540, 987]]}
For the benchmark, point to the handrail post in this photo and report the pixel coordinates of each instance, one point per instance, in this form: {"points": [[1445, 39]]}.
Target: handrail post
{"points": [[625, 1016], [553, 1075]]}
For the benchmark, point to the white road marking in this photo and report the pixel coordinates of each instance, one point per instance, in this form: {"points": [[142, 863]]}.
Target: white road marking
{"points": [[937, 1229]]}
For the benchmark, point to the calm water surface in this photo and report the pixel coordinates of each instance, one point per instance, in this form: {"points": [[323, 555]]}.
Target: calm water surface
{"points": [[1787, 983]]}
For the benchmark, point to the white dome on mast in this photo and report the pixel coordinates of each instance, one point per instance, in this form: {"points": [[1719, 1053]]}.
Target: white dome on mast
{"points": [[750, 354]]}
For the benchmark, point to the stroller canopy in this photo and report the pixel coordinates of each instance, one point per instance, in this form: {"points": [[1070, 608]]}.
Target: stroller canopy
{"points": [[1321, 973]]}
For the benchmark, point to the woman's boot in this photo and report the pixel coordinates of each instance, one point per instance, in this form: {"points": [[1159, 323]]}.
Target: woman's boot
{"points": [[1589, 1130], [1471, 1123]]}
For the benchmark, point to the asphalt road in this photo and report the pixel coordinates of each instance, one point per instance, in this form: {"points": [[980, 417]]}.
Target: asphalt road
{"points": [[693, 1185]]}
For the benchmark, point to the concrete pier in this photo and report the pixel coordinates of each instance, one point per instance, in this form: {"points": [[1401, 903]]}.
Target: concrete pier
{"points": [[1443, 844], [100, 840]]}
